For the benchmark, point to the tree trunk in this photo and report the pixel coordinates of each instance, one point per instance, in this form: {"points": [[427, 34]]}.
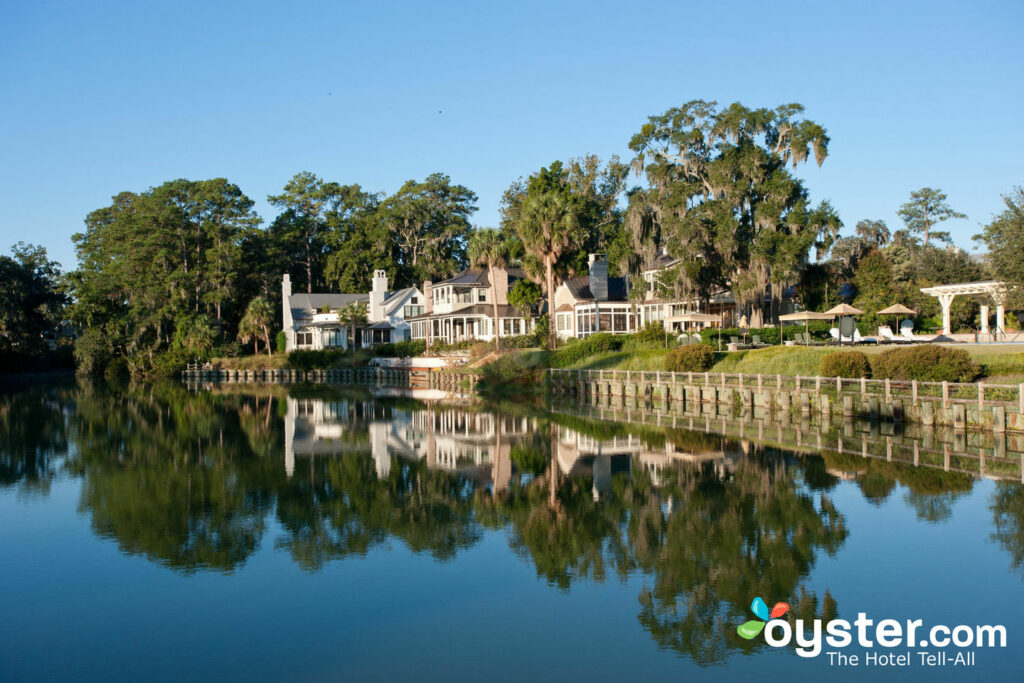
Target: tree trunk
{"points": [[552, 334], [309, 264]]}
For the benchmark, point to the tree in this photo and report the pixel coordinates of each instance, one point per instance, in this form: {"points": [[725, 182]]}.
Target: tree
{"points": [[428, 222], [872, 232], [32, 300], [526, 297], [548, 229], [927, 207], [259, 316], [725, 204], [353, 315], [487, 248], [1004, 238], [303, 200]]}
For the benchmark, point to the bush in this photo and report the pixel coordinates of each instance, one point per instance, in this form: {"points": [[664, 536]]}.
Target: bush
{"points": [[576, 351], [314, 360], [852, 364], [402, 349], [281, 342], [768, 335], [693, 358], [928, 363]]}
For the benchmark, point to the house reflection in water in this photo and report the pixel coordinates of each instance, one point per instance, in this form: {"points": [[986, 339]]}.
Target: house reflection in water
{"points": [[478, 445]]}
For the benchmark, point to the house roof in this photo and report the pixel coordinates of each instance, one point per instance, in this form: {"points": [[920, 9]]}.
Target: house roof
{"points": [[477, 277], [301, 304], [579, 287], [393, 299]]}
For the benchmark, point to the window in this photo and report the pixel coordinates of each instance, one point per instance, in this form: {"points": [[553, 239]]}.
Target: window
{"points": [[482, 296], [412, 311], [333, 338], [414, 300], [304, 339]]}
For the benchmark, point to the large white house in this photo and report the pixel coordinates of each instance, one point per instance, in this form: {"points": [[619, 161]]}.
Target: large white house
{"points": [[315, 321], [599, 303], [460, 308]]}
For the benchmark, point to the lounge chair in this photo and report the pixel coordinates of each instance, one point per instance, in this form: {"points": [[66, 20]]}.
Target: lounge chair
{"points": [[886, 335], [907, 330], [857, 339], [755, 339], [734, 340]]}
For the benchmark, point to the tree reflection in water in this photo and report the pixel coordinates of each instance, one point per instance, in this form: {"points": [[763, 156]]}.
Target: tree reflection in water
{"points": [[194, 481]]}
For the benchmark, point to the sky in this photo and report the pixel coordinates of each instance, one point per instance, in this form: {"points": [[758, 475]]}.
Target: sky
{"points": [[100, 97]]}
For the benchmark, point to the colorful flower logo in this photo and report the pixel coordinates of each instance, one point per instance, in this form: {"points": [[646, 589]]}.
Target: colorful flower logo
{"points": [[751, 628]]}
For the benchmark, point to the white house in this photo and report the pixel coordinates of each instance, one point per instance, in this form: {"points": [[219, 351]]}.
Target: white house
{"points": [[312, 321], [460, 308]]}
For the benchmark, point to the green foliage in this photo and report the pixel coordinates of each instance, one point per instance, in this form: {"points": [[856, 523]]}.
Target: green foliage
{"points": [[195, 336], [768, 335], [32, 304], [926, 208], [1004, 238], [692, 358], [525, 296], [927, 362], [304, 360], [281, 342], [516, 374], [577, 350], [723, 200], [405, 349], [652, 336], [852, 364]]}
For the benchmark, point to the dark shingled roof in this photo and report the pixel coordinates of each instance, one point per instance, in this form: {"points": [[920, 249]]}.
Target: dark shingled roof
{"points": [[304, 304], [580, 288]]}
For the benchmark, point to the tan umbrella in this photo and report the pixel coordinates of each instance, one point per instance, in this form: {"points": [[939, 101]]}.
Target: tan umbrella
{"points": [[694, 318], [843, 309], [897, 310], [805, 316]]}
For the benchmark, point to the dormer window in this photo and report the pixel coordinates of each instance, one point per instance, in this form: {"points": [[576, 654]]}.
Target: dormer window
{"points": [[482, 296]]}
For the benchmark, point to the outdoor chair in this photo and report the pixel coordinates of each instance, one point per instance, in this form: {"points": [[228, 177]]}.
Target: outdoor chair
{"points": [[734, 339], [755, 339]]}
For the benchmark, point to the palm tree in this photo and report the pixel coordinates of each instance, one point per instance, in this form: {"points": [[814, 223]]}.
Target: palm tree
{"points": [[353, 314], [488, 248], [256, 323], [548, 229]]}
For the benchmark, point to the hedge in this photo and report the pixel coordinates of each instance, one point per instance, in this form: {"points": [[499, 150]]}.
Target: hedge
{"points": [[313, 360], [402, 349], [576, 351], [693, 358], [927, 363], [852, 364]]}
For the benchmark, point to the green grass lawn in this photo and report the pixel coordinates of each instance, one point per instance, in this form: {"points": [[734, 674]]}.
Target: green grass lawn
{"points": [[1002, 365]]}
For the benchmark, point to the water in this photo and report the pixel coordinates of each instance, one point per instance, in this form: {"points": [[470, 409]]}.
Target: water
{"points": [[160, 533]]}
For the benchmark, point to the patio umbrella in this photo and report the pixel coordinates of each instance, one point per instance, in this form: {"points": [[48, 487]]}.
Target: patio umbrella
{"points": [[897, 310], [805, 316], [843, 309]]}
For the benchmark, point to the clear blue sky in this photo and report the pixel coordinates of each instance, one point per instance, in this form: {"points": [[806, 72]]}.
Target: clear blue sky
{"points": [[100, 97]]}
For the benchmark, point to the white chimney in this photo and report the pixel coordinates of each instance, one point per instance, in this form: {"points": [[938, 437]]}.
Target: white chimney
{"points": [[286, 304], [377, 294]]}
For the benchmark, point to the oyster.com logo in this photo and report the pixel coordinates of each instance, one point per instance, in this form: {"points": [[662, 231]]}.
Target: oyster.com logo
{"points": [[752, 628]]}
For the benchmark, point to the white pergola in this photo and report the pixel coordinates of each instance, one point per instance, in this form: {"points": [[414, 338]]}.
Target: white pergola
{"points": [[991, 288]]}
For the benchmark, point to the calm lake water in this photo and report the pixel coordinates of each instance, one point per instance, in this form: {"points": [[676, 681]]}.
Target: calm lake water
{"points": [[315, 533]]}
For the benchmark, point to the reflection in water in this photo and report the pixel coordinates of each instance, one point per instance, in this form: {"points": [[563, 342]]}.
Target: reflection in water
{"points": [[196, 481]]}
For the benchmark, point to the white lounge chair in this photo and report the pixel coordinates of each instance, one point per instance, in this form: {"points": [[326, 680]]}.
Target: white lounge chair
{"points": [[885, 333], [907, 330]]}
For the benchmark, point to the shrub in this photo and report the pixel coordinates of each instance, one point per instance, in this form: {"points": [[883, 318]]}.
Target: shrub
{"points": [[768, 335], [928, 363], [402, 349], [693, 358], [281, 342], [576, 351], [853, 364], [313, 360]]}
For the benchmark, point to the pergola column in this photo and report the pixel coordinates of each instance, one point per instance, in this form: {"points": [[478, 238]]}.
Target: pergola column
{"points": [[1000, 319], [984, 318], [946, 301]]}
